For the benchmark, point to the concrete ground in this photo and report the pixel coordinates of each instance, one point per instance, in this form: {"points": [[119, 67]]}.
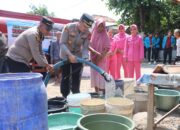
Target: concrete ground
{"points": [[53, 88]]}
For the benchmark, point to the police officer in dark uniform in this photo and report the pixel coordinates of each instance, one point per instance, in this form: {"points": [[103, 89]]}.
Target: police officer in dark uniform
{"points": [[28, 45], [74, 43]]}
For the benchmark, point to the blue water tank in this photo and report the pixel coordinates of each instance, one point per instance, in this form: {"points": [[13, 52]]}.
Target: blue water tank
{"points": [[23, 102]]}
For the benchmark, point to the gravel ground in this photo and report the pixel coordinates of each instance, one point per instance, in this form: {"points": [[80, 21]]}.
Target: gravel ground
{"points": [[172, 122]]}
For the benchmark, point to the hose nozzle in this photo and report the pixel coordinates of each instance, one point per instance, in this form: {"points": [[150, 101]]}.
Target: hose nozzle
{"points": [[106, 77]]}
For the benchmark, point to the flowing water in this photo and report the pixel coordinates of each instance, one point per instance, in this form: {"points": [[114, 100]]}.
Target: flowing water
{"points": [[110, 88]]}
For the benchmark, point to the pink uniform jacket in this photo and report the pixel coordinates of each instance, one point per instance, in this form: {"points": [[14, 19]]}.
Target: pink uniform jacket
{"points": [[134, 54], [112, 60], [120, 40], [134, 48]]}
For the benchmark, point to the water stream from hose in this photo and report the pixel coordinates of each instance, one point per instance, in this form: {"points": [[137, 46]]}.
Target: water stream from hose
{"points": [[110, 87]]}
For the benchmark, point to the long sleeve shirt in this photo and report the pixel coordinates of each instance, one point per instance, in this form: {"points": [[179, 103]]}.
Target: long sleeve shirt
{"points": [[54, 51], [120, 41], [172, 40], [74, 42], [156, 42], [178, 46], [3, 46], [28, 45], [134, 48], [148, 42]]}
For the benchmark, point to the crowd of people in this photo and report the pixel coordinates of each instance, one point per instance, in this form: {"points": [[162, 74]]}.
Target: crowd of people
{"points": [[107, 50], [154, 43]]}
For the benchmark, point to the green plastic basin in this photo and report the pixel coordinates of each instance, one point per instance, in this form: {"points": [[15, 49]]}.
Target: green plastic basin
{"points": [[63, 121], [75, 110], [166, 99], [105, 121]]}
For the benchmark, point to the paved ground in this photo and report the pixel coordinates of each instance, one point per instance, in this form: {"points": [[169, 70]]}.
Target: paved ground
{"points": [[54, 89]]}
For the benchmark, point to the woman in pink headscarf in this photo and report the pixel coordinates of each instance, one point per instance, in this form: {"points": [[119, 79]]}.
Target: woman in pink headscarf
{"points": [[120, 40], [111, 56], [101, 44], [134, 52]]}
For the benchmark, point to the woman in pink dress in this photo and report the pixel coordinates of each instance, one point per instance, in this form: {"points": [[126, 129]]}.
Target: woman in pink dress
{"points": [[111, 56], [120, 40], [101, 44], [134, 52]]}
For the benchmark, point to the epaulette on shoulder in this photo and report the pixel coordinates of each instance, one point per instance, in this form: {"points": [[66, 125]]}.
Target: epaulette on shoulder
{"points": [[39, 37], [66, 29]]}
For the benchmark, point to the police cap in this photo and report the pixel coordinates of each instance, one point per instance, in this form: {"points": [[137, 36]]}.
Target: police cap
{"points": [[87, 19], [48, 22]]}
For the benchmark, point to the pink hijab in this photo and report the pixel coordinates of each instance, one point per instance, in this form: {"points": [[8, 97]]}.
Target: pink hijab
{"points": [[100, 41], [120, 35], [134, 26]]}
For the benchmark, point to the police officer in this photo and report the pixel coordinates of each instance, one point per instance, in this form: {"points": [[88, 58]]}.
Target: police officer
{"points": [[74, 43], [28, 45]]}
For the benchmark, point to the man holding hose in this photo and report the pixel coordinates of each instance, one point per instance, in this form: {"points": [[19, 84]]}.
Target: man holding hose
{"points": [[74, 43]]}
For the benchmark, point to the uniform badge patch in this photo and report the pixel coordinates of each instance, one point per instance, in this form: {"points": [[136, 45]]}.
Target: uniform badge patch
{"points": [[66, 29], [38, 38]]}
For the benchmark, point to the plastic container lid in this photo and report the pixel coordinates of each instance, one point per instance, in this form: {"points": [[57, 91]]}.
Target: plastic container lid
{"points": [[117, 101], [75, 99], [63, 121], [92, 102]]}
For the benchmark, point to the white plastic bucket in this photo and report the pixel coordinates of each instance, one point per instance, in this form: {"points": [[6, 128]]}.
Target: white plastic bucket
{"points": [[74, 101], [129, 84], [140, 101]]}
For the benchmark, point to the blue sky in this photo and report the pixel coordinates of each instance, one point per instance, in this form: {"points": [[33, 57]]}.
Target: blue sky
{"points": [[67, 9]]}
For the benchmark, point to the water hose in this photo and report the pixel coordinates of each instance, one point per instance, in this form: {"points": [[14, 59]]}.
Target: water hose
{"points": [[79, 60]]}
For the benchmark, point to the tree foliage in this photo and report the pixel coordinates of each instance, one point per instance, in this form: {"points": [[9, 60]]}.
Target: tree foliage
{"points": [[40, 10], [149, 15]]}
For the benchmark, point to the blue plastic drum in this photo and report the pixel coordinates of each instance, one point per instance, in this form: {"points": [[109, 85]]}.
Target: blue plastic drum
{"points": [[23, 102]]}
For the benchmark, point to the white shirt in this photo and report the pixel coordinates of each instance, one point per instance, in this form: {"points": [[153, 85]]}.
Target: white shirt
{"points": [[178, 46]]}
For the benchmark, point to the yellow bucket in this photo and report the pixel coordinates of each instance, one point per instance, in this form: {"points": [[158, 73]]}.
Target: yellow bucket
{"points": [[120, 106], [90, 106]]}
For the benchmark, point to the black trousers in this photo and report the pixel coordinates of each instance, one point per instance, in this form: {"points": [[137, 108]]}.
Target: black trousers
{"points": [[149, 54], [167, 52], [3, 65], [16, 67], [177, 59], [71, 77], [145, 52], [155, 54]]}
